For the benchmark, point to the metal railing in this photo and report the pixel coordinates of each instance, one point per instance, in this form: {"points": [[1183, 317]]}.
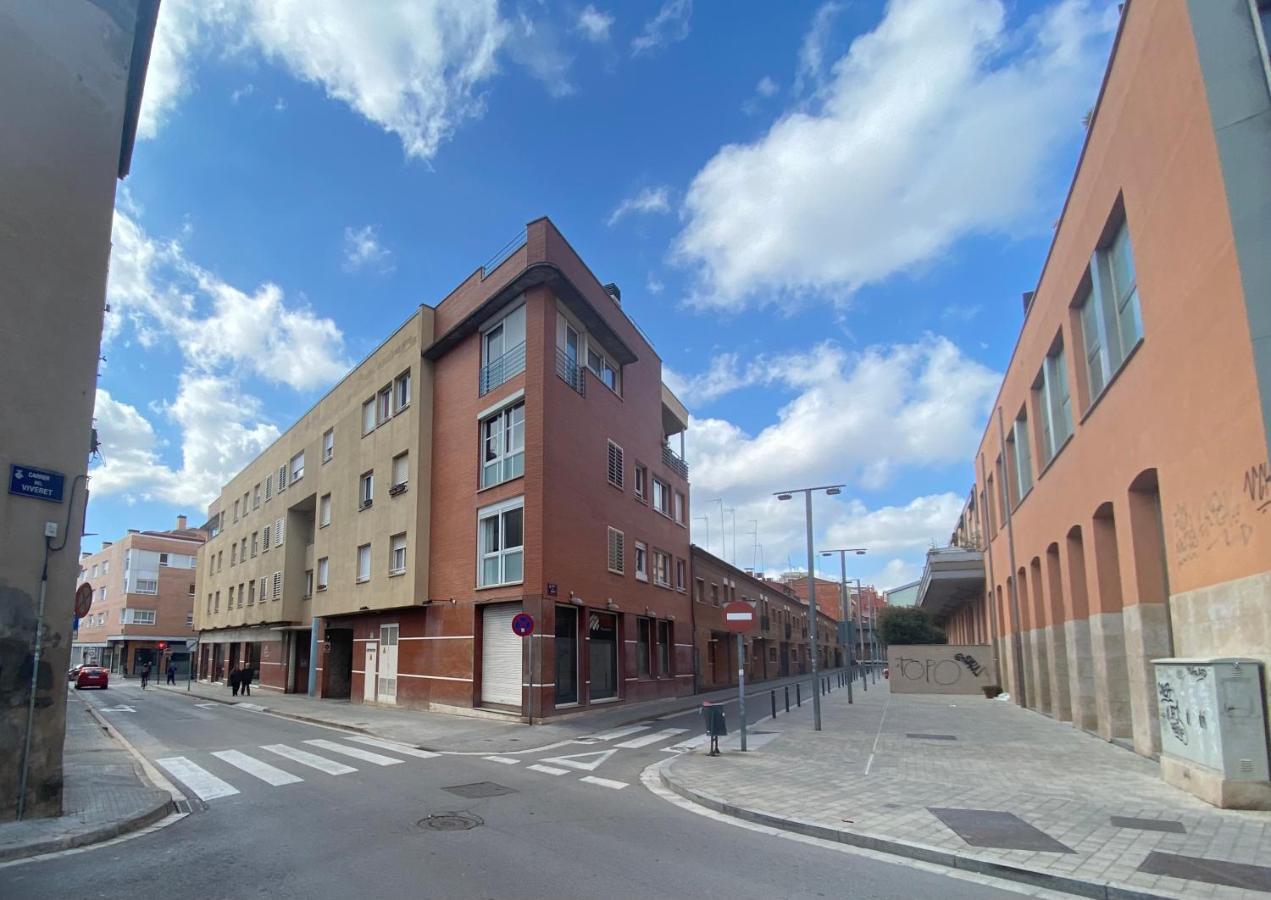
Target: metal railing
{"points": [[503, 368], [570, 371], [503, 253], [673, 462]]}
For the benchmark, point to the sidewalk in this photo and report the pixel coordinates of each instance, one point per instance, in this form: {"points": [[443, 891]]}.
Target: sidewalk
{"points": [[450, 733], [104, 794], [943, 779]]}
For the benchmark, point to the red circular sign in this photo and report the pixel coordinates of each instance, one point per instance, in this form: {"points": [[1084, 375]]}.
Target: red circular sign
{"points": [[739, 616], [523, 624], [83, 600]]}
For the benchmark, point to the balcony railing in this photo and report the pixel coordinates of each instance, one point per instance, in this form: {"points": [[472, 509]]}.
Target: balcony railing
{"points": [[570, 371], [673, 462], [503, 253], [501, 369]]}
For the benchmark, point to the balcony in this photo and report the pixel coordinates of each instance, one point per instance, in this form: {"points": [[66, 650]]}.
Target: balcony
{"points": [[570, 371], [501, 369], [672, 461]]}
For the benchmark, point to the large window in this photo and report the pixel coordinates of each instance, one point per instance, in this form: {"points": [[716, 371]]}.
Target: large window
{"points": [[641, 561], [503, 446], [297, 467], [323, 569], [661, 568], [368, 416], [661, 496], [401, 392], [364, 563], [397, 554], [1111, 321], [1054, 406], [609, 372], [503, 350], [679, 507], [500, 543], [1023, 456], [401, 473], [644, 627], [324, 510]]}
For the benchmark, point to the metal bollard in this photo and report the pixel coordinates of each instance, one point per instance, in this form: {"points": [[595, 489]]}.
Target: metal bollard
{"points": [[798, 695], [774, 703], [787, 698]]}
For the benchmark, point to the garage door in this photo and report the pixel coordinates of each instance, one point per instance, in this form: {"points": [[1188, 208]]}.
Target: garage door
{"points": [[500, 655]]}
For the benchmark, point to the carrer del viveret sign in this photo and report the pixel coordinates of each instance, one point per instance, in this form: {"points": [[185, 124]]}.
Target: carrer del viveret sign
{"points": [[38, 483]]}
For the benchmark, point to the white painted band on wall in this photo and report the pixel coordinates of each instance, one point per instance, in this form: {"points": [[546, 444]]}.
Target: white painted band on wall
{"points": [[434, 677], [439, 637]]}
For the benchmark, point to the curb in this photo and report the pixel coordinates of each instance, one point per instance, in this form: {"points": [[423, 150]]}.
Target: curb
{"points": [[1099, 890]]}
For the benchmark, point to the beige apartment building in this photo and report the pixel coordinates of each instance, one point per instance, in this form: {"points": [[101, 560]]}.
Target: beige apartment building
{"points": [[143, 601]]}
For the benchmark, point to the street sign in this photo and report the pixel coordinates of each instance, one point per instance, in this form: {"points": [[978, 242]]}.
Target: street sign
{"points": [[523, 624], [83, 600], [41, 484], [739, 617]]}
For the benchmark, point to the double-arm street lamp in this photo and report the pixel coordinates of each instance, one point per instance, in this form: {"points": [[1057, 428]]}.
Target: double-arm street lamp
{"points": [[831, 490], [847, 610]]}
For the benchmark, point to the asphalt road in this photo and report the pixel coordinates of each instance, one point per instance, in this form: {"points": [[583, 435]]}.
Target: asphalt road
{"points": [[569, 821]]}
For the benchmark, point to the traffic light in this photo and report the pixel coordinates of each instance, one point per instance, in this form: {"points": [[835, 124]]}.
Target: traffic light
{"points": [[163, 645]]}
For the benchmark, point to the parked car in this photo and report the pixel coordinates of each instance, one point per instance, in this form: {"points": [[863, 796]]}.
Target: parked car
{"points": [[74, 671], [92, 676]]}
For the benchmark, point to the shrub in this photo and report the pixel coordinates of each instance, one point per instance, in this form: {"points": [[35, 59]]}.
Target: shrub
{"points": [[907, 625]]}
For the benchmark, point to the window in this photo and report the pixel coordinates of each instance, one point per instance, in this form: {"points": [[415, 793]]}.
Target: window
{"points": [[282, 477], [661, 568], [324, 510], [500, 548], [297, 467], [255, 535], [384, 404], [217, 607], [308, 584], [364, 563], [163, 559], [679, 507], [1023, 456], [233, 555], [269, 487], [401, 392], [246, 495], [368, 416], [699, 590], [680, 575], [1111, 321], [644, 627], [503, 350], [400, 473], [641, 561], [242, 553], [397, 554], [322, 574], [1053, 404], [235, 510], [617, 556], [641, 477], [503, 446], [328, 444], [664, 649], [251, 592], [145, 586], [191, 592], [94, 570], [242, 592], [231, 597], [265, 542], [142, 616], [603, 368], [366, 490], [277, 585], [256, 497], [264, 588], [661, 496], [278, 528], [209, 603], [714, 594], [615, 464]]}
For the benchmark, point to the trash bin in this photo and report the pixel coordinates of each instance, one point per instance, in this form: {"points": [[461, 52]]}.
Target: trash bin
{"points": [[716, 724]]}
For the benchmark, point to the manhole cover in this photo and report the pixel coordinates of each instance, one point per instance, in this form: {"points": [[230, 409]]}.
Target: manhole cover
{"points": [[450, 821], [479, 789]]}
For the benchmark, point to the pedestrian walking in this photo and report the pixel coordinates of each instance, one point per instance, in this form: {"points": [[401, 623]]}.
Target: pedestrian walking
{"points": [[172, 673], [234, 679], [145, 674], [246, 682]]}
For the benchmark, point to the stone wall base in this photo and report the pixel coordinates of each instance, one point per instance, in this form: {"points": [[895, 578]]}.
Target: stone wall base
{"points": [[1209, 785]]}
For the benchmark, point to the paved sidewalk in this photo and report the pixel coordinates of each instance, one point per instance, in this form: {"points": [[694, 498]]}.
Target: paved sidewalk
{"points": [[889, 772], [452, 733], [105, 794]]}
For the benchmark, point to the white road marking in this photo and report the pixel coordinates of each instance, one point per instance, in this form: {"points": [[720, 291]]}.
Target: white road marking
{"points": [[620, 732], [252, 766], [255, 706], [209, 705], [392, 745], [117, 709], [548, 770], [870, 763], [604, 782], [689, 744], [506, 760], [197, 778], [312, 760], [645, 739], [355, 752], [587, 762]]}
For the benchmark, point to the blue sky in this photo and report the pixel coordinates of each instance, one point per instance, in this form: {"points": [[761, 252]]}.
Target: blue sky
{"points": [[823, 215]]}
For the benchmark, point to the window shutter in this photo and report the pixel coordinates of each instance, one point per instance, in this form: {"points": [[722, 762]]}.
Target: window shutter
{"points": [[282, 477], [269, 486], [278, 533], [615, 464], [617, 556], [277, 585]]}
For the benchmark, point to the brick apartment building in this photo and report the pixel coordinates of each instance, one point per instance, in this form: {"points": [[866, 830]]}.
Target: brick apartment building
{"points": [[1122, 506], [505, 451], [862, 605], [777, 647], [143, 597]]}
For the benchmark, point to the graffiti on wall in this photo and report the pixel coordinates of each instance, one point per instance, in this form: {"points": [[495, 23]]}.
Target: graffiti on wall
{"points": [[1217, 522], [1170, 711], [1257, 486], [940, 668]]}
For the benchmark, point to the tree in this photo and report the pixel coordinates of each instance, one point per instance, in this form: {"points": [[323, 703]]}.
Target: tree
{"points": [[908, 625]]}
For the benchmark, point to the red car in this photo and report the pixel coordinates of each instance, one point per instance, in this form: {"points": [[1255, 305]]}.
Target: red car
{"points": [[92, 676]]}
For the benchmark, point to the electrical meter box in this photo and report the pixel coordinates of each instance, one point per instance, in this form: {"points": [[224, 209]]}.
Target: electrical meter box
{"points": [[1214, 729]]}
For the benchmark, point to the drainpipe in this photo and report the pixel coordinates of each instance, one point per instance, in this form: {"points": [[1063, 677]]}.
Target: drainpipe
{"points": [[1017, 639], [988, 554], [313, 657]]}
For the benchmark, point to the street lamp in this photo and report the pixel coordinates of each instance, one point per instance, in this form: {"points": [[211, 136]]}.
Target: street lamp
{"points": [[831, 490], [847, 612]]}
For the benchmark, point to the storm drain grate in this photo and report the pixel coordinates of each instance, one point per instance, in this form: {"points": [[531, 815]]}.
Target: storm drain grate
{"points": [[1170, 825], [479, 789], [931, 737], [450, 821]]}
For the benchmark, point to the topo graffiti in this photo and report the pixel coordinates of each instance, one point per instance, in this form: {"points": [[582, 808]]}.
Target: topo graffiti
{"points": [[1216, 523], [940, 668]]}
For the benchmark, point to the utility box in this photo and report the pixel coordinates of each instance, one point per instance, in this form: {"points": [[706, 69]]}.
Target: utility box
{"points": [[716, 724], [1214, 730]]}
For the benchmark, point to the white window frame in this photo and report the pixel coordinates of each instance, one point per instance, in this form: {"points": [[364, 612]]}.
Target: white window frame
{"points": [[141, 617], [1023, 456], [640, 481], [401, 392], [328, 445], [604, 367], [368, 416], [509, 324], [384, 404], [502, 554], [256, 497], [255, 543], [279, 528], [269, 487], [660, 487], [361, 578], [298, 471], [265, 543], [661, 568], [145, 586], [508, 460], [641, 561], [366, 489], [396, 549], [616, 551], [324, 571], [397, 486], [324, 510], [282, 478], [678, 503]]}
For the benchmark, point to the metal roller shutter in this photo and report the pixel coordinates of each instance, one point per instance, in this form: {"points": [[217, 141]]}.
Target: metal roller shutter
{"points": [[500, 655]]}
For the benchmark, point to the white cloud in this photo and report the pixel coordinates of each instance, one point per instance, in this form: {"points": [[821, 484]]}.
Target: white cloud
{"points": [[594, 24], [670, 25], [766, 87], [653, 285], [925, 132], [415, 69], [362, 249], [649, 200], [815, 46], [239, 93], [536, 45]]}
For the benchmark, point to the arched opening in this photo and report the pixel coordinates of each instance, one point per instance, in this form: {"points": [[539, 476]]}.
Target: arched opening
{"points": [[1080, 652], [1040, 639], [1107, 629], [1061, 704], [1148, 629]]}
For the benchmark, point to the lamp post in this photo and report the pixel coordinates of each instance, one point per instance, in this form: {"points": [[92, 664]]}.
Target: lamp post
{"points": [[847, 610], [831, 490]]}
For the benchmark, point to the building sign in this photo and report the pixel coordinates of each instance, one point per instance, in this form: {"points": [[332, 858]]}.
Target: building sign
{"points": [[26, 481]]}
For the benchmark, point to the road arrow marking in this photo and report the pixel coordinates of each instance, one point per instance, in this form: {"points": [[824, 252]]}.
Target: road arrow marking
{"points": [[576, 760]]}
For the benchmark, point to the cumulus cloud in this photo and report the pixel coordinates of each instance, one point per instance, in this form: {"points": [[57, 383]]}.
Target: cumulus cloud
{"points": [[940, 123], [537, 47], [648, 200], [362, 249], [594, 24], [815, 47], [669, 26]]}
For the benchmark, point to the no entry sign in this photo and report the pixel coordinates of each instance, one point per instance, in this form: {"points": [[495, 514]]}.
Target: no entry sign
{"points": [[83, 600], [739, 617], [523, 624]]}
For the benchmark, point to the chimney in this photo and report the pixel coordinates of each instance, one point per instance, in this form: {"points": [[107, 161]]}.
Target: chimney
{"points": [[613, 291], [1028, 301], [106, 544], [180, 522], [133, 531]]}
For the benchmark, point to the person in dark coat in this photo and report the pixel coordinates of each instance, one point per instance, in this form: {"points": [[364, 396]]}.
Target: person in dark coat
{"points": [[145, 675], [172, 673], [246, 681], [235, 679]]}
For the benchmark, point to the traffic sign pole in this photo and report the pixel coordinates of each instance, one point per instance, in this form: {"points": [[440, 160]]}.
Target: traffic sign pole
{"points": [[741, 688]]}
